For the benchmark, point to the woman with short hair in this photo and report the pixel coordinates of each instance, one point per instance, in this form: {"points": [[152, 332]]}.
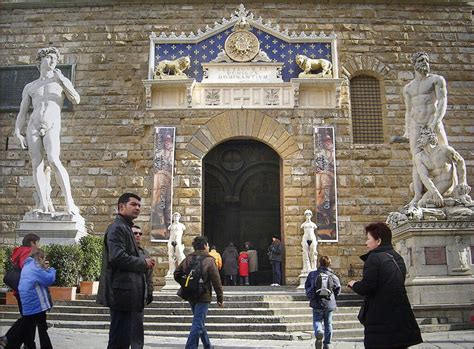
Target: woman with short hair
{"points": [[387, 316]]}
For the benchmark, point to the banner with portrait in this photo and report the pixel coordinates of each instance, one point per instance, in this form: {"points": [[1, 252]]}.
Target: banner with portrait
{"points": [[326, 191], [163, 163]]}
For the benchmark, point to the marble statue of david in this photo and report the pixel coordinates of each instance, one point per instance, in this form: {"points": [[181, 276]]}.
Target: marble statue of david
{"points": [[309, 243], [42, 137]]}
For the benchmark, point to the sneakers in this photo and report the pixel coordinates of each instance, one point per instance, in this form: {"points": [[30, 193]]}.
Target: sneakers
{"points": [[275, 285], [319, 341]]}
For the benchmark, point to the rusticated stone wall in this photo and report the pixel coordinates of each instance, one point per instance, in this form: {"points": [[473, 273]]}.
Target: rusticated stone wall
{"points": [[107, 140]]}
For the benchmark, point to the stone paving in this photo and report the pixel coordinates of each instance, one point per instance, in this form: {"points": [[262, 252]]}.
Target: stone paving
{"points": [[80, 339]]}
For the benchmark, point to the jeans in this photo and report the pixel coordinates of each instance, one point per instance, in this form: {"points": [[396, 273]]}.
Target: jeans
{"points": [[320, 315], [244, 281], [276, 269], [198, 327]]}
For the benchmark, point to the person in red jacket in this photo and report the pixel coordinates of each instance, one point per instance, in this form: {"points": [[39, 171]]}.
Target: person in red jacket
{"points": [[244, 268], [19, 255]]}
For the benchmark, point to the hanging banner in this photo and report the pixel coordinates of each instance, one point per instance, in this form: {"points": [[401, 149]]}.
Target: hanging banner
{"points": [[163, 162], [325, 169]]}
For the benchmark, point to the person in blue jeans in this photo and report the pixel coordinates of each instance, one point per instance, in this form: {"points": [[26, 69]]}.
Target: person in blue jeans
{"points": [[200, 302], [322, 295]]}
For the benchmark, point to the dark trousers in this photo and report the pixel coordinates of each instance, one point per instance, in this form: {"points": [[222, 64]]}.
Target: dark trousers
{"points": [[231, 280], [276, 269], [29, 324], [137, 335], [18, 332], [120, 329]]}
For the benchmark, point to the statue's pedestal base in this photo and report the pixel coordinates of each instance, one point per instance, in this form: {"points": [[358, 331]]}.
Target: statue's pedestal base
{"points": [[170, 284], [303, 276], [53, 228], [435, 274]]}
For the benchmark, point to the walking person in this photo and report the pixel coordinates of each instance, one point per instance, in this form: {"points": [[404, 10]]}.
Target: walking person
{"points": [[36, 276], [253, 262], [15, 334], [322, 288], [137, 335], [202, 266], [386, 314], [244, 268], [231, 264], [122, 279], [275, 253]]}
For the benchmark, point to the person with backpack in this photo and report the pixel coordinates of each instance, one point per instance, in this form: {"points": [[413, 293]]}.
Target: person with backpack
{"points": [[244, 268], [322, 287], [30, 243], [196, 274]]}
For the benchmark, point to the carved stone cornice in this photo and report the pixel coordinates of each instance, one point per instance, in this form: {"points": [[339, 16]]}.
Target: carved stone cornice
{"points": [[433, 226]]}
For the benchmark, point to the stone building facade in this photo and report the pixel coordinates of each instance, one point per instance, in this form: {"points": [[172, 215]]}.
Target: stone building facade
{"points": [[107, 140]]}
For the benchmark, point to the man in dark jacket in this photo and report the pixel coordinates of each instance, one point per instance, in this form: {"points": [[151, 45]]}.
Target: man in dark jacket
{"points": [[122, 279], [323, 307], [137, 335], [200, 303], [275, 253]]}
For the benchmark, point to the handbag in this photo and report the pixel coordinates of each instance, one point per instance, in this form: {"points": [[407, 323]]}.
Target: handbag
{"points": [[12, 278], [362, 313]]}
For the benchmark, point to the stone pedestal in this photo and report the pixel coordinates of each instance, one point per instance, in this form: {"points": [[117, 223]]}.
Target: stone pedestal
{"points": [[53, 228], [435, 274], [302, 277], [170, 284]]}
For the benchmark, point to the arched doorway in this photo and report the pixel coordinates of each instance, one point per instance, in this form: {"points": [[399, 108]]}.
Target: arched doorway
{"points": [[242, 198]]}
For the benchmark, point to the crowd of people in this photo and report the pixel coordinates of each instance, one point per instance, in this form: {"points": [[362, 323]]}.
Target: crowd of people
{"points": [[126, 286]]}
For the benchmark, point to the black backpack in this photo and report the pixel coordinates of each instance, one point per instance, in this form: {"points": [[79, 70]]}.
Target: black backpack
{"points": [[324, 285], [192, 282]]}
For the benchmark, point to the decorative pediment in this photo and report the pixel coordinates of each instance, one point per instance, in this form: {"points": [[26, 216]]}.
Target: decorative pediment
{"points": [[279, 44], [242, 62]]}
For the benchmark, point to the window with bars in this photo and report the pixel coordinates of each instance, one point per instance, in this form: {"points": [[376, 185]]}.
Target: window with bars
{"points": [[366, 109]]}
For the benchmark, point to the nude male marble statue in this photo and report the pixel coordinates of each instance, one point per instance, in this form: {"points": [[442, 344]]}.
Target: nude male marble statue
{"points": [[309, 243], [425, 100], [442, 171], [175, 244], [42, 138]]}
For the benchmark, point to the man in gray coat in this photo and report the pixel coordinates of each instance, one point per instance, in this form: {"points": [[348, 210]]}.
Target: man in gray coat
{"points": [[122, 279]]}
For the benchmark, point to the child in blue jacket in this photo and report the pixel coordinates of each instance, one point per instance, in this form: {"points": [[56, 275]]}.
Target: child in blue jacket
{"points": [[35, 278]]}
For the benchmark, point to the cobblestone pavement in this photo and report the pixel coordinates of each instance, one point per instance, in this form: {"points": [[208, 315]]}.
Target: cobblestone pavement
{"points": [[90, 339]]}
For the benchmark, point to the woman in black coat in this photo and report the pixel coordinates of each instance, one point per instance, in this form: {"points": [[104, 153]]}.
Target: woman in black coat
{"points": [[388, 318]]}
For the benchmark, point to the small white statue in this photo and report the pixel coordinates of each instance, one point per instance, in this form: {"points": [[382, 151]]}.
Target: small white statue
{"points": [[463, 254], [175, 244], [311, 65], [405, 253], [309, 243]]}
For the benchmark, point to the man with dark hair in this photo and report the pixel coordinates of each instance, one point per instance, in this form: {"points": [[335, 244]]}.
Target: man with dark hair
{"points": [[16, 333], [123, 276], [200, 303], [138, 316], [323, 303], [275, 254]]}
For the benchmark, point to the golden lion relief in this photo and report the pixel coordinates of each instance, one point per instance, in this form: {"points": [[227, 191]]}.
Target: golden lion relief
{"points": [[314, 67], [167, 68]]}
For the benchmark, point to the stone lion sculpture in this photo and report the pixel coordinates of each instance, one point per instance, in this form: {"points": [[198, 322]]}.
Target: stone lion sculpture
{"points": [[167, 68], [311, 65]]}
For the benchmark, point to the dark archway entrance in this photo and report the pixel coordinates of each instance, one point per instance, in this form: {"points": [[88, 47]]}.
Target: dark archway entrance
{"points": [[242, 198]]}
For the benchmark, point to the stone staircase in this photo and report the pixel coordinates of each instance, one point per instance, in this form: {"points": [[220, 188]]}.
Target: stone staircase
{"points": [[281, 313]]}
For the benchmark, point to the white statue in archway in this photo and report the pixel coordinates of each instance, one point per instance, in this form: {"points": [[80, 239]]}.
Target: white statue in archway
{"points": [[309, 243], [175, 244]]}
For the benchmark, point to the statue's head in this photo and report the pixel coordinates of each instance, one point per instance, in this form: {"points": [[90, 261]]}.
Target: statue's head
{"points": [[308, 213], [427, 136], [44, 52], [176, 216], [421, 62], [457, 239]]}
